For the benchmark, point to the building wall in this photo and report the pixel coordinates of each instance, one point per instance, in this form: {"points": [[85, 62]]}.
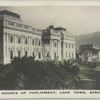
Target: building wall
{"points": [[14, 34], [54, 48], [99, 56], [69, 49], [60, 45], [89, 53], [22, 47], [1, 41]]}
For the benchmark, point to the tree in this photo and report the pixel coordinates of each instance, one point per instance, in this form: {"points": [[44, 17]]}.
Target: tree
{"points": [[26, 73]]}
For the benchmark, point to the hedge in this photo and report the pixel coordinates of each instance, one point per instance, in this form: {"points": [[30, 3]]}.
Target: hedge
{"points": [[26, 73]]}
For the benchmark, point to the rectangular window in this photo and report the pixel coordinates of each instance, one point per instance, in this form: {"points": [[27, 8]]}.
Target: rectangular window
{"points": [[11, 23], [26, 41], [55, 44], [32, 42], [39, 42], [48, 54], [19, 40], [66, 45], [11, 54], [19, 54], [55, 55], [39, 55], [11, 39], [33, 54], [72, 45], [25, 53], [69, 45]]}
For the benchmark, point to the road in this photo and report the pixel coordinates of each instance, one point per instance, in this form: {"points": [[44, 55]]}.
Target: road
{"points": [[90, 77]]}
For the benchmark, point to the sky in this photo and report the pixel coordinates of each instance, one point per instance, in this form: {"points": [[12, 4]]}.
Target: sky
{"points": [[76, 19]]}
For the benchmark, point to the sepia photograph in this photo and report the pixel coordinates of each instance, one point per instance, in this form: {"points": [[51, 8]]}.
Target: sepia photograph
{"points": [[50, 48]]}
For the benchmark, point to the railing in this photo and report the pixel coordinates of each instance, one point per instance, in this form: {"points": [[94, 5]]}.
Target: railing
{"points": [[21, 26]]}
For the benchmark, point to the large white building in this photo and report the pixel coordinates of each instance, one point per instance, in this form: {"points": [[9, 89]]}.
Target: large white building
{"points": [[58, 44], [18, 39]]}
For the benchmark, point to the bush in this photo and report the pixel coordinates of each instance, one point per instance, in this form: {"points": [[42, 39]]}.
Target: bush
{"points": [[26, 73]]}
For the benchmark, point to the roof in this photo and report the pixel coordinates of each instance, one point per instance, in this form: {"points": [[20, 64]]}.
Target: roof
{"points": [[9, 13], [56, 28], [60, 28]]}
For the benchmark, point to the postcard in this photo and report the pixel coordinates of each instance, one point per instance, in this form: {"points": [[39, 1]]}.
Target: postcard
{"points": [[49, 49]]}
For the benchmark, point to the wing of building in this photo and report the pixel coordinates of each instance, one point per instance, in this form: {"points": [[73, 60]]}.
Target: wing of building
{"points": [[18, 39]]}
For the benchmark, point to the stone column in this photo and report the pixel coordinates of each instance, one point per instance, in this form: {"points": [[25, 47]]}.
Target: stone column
{"points": [[51, 49], [22, 41], [4, 49], [59, 49], [15, 46]]}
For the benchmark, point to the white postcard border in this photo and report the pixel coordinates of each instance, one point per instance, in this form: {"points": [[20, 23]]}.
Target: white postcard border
{"points": [[47, 93]]}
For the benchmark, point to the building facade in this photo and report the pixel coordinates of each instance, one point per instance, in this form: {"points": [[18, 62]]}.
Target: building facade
{"points": [[89, 53], [58, 44], [18, 39]]}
